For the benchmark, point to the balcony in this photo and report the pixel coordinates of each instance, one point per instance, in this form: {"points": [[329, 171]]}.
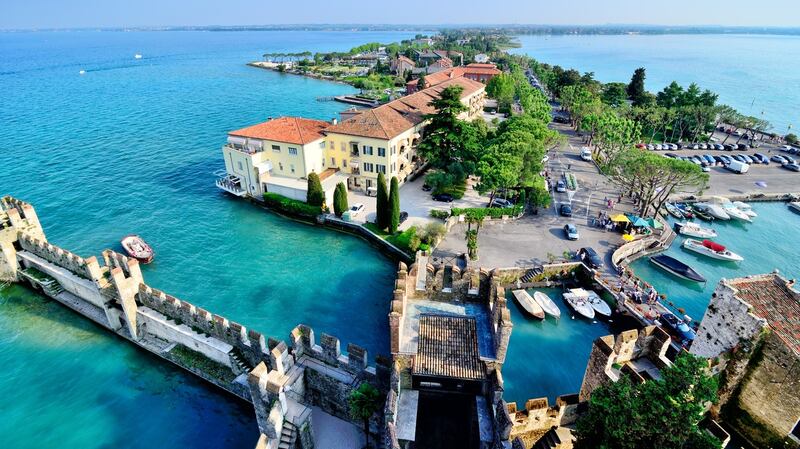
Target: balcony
{"points": [[231, 184]]}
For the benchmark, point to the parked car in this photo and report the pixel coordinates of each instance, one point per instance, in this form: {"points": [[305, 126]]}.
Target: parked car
{"points": [[561, 119], [571, 231], [500, 202], [403, 216], [726, 159], [790, 160], [738, 167], [762, 158], [356, 209], [741, 147], [706, 168], [738, 157], [641, 146], [792, 167], [426, 188], [586, 154], [719, 160], [565, 210], [779, 159], [747, 158], [730, 147], [672, 155], [703, 146], [445, 197], [651, 147], [719, 146], [709, 158], [590, 257], [561, 186]]}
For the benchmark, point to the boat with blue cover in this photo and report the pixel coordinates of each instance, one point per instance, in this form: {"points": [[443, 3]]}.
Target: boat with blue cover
{"points": [[677, 268]]}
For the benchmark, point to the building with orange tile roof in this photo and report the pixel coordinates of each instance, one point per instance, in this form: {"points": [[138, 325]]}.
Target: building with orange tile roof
{"points": [[751, 333], [277, 156], [476, 72]]}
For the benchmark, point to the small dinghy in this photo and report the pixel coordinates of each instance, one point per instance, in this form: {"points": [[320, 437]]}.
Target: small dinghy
{"points": [[547, 304], [528, 303], [579, 304], [674, 211], [137, 248], [711, 249], [677, 268], [694, 230]]}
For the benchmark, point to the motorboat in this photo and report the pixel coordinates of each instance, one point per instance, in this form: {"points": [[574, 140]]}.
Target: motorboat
{"points": [[702, 215], [746, 208], [734, 212], [547, 304], [137, 56], [580, 304], [715, 210], [677, 327], [686, 211], [694, 230], [529, 304], [137, 248], [677, 268], [600, 307], [711, 249], [674, 211], [795, 206]]}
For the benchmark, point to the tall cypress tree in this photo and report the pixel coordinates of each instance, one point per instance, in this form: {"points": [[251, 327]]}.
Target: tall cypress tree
{"points": [[635, 88], [315, 196], [382, 211], [340, 199], [394, 204]]}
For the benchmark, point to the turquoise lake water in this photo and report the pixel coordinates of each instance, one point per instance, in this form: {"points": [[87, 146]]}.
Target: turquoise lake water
{"points": [[131, 147], [751, 73]]}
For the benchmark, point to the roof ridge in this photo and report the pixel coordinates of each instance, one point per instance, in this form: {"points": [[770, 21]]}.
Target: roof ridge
{"points": [[299, 130]]}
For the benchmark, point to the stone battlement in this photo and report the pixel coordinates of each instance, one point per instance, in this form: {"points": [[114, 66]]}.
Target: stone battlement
{"points": [[87, 268], [538, 417]]}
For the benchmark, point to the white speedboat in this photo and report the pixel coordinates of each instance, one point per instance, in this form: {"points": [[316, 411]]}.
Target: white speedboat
{"points": [[579, 304], [528, 303], [715, 210], [795, 206], [137, 56], [600, 307], [694, 230], [674, 210], [547, 304], [746, 208], [711, 249], [734, 212]]}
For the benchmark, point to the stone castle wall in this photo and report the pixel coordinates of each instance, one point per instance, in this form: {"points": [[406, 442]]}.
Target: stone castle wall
{"points": [[86, 268], [726, 323]]}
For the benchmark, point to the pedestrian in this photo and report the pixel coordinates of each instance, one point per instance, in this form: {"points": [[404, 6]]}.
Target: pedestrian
{"points": [[619, 200], [569, 166]]}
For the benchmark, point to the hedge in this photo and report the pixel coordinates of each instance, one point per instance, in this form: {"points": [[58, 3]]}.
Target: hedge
{"points": [[483, 212], [290, 206]]}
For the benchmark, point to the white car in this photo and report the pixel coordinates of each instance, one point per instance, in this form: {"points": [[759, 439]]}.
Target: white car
{"points": [[356, 209], [561, 187], [545, 158], [586, 154]]}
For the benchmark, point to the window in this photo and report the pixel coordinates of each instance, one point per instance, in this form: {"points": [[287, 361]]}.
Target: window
{"points": [[367, 150], [322, 144], [393, 167], [341, 145], [291, 167], [394, 149], [240, 166], [381, 152], [368, 167], [323, 161], [280, 166], [276, 148], [333, 162], [344, 163], [293, 151], [381, 169]]}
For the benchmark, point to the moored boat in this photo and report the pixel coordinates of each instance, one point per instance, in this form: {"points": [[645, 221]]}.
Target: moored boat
{"points": [[694, 230], [795, 206], [746, 208], [529, 304], [674, 211], [711, 249], [676, 267], [137, 248], [580, 305], [702, 215], [677, 327], [715, 210], [734, 212], [686, 211], [600, 307], [547, 304]]}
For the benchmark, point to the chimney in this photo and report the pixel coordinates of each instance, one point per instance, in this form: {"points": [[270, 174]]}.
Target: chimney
{"points": [[334, 121]]}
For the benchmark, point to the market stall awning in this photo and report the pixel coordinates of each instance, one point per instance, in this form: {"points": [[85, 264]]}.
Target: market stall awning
{"points": [[639, 222], [627, 237], [620, 218], [655, 224]]}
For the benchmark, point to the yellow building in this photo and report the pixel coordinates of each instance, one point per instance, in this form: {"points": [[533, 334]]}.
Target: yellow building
{"points": [[384, 139], [277, 156]]}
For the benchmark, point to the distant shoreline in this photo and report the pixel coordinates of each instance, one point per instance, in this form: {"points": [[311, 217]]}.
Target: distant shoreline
{"points": [[545, 30]]}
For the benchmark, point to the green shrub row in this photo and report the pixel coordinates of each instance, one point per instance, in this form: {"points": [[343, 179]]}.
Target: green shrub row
{"points": [[290, 206], [478, 213]]}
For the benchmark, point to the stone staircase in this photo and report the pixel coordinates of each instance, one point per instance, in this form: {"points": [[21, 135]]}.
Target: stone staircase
{"points": [[530, 274], [550, 440], [288, 436], [240, 361], [50, 286]]}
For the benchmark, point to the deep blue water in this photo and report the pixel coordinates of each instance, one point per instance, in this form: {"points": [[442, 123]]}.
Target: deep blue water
{"points": [[130, 146], [752, 73]]}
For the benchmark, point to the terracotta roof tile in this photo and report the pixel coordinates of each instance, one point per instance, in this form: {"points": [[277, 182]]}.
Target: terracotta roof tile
{"points": [[775, 301], [295, 130], [391, 119]]}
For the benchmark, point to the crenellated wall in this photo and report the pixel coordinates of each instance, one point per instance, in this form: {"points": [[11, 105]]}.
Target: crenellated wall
{"points": [[86, 268]]}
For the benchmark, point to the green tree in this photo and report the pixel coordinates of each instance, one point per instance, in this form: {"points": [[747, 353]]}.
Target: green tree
{"points": [[498, 169], [382, 203], [315, 196], [502, 89], [340, 199], [657, 414], [635, 88], [364, 402], [614, 94], [790, 138], [394, 205]]}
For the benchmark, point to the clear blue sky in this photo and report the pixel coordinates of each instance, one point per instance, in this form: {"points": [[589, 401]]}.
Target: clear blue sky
{"points": [[118, 13]]}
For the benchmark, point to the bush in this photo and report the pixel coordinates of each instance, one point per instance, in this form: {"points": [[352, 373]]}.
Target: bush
{"points": [[404, 239], [483, 212], [290, 206], [432, 232], [440, 214], [340, 205], [790, 138], [315, 196], [424, 247], [394, 205]]}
